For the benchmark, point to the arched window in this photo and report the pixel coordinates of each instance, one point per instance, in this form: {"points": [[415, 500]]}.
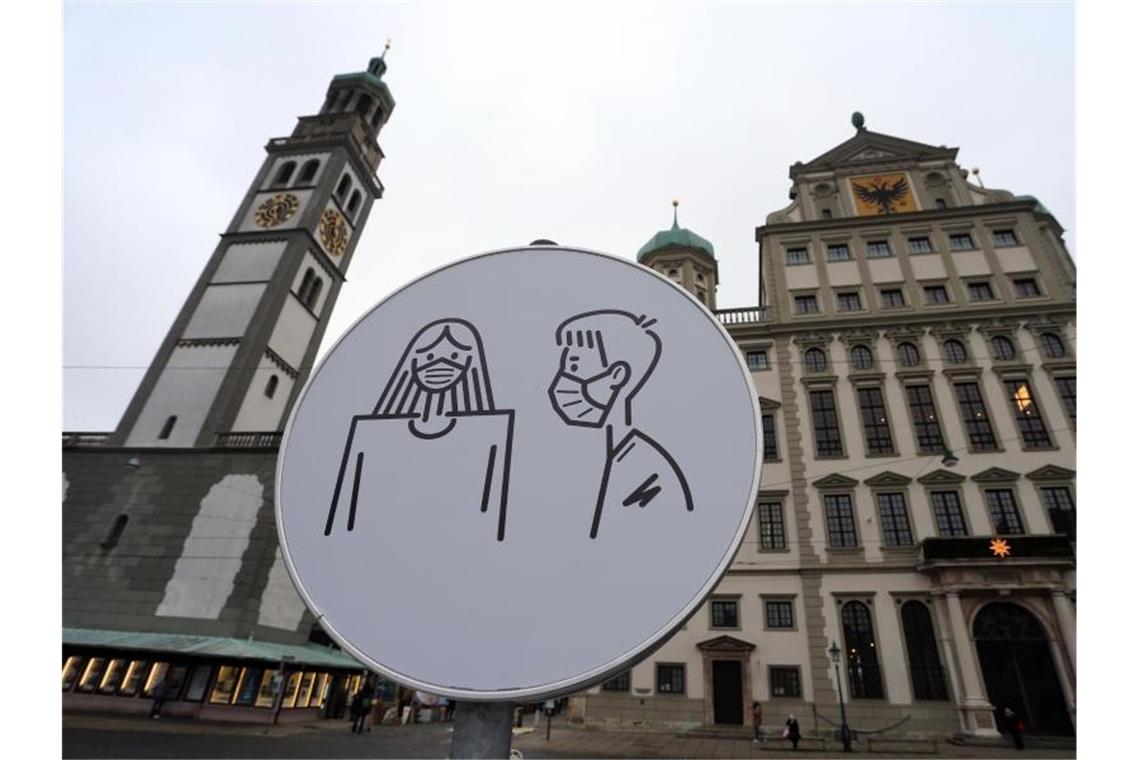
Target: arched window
{"points": [[342, 187], [926, 675], [826, 213], [309, 170], [1054, 346], [314, 293], [378, 117], [306, 283], [167, 427], [862, 358], [955, 351], [284, 173], [815, 360], [908, 355], [354, 202], [1003, 348], [271, 386], [363, 105], [863, 677]]}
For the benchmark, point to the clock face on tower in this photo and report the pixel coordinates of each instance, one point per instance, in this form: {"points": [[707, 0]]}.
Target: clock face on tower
{"points": [[276, 210], [333, 232]]}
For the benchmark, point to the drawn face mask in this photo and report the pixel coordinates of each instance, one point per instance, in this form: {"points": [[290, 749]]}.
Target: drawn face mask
{"points": [[439, 374], [585, 402]]}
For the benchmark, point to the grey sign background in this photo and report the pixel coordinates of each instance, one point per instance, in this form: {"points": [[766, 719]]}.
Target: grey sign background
{"points": [[432, 599]]}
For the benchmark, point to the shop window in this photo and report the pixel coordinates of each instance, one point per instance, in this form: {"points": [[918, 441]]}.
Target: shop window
{"points": [[199, 681], [321, 690], [292, 686], [225, 685], [247, 687], [71, 670], [864, 680], [92, 674], [305, 693], [133, 678], [265, 689], [112, 676]]}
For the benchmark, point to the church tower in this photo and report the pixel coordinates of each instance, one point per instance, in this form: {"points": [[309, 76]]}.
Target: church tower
{"points": [[684, 257], [246, 338]]}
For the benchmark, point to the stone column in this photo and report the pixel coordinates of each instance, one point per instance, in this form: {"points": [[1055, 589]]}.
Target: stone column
{"points": [[1067, 623], [1063, 677], [947, 644], [979, 713]]}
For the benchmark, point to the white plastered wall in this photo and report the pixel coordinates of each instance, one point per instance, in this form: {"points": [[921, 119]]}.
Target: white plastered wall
{"points": [[259, 412], [186, 389], [281, 607], [212, 554], [224, 311], [291, 335], [249, 262]]}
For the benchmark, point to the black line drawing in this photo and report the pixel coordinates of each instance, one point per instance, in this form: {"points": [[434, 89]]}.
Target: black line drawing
{"points": [[607, 356], [440, 391]]}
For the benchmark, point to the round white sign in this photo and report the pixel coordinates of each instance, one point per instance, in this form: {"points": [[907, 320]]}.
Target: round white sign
{"points": [[515, 475]]}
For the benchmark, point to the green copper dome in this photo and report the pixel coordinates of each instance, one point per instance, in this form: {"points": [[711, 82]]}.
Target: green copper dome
{"points": [[1039, 208], [675, 237]]}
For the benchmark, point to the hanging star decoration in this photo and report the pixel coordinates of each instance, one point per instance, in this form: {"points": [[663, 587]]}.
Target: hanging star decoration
{"points": [[1000, 547]]}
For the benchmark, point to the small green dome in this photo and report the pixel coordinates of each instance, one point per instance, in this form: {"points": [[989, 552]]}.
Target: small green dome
{"points": [[1037, 209], [675, 237]]}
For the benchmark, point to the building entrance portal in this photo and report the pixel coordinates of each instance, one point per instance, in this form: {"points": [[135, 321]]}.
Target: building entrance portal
{"points": [[727, 686], [1018, 669]]}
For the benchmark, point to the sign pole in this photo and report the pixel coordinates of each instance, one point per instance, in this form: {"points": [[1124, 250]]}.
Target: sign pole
{"points": [[482, 730]]}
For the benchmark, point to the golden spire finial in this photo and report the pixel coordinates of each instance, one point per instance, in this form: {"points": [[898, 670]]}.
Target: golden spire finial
{"points": [[387, 44]]}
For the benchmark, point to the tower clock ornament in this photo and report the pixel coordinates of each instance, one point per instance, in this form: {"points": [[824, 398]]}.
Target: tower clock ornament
{"points": [[333, 232], [276, 210]]}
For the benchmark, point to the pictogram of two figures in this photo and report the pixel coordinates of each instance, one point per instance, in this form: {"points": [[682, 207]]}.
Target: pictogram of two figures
{"points": [[438, 411]]}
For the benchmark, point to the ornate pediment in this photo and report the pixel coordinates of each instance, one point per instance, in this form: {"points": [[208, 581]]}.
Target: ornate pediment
{"points": [[941, 478], [835, 481], [995, 475], [874, 147], [887, 479], [1052, 472], [767, 404], [725, 644]]}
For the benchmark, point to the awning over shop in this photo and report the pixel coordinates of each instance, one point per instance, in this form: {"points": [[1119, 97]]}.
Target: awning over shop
{"points": [[210, 646]]}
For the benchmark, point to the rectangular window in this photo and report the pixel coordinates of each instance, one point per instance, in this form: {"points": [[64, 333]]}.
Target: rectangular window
{"points": [[838, 252], [840, 521], [1003, 238], [725, 613], [878, 249], [292, 686], [1058, 502], [92, 674], [199, 681], [896, 524], [891, 298], [962, 242], [1003, 511], [757, 360], [948, 517], [112, 676], [771, 450], [936, 294], [133, 678], [1067, 390], [825, 420], [806, 305], [979, 291], [771, 526], [927, 431], [71, 671], [620, 682], [848, 302], [670, 679], [797, 256], [919, 245], [225, 685], [248, 683], [974, 417], [876, 429], [778, 613], [306, 693], [266, 693], [784, 681], [1029, 422], [1026, 287]]}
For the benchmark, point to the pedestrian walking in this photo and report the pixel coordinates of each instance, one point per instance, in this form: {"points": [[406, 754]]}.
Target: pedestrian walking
{"points": [[357, 711], [792, 731], [161, 693], [757, 719], [1014, 725]]}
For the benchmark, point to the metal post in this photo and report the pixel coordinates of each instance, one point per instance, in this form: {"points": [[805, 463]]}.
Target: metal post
{"points": [[482, 730], [548, 714], [844, 731]]}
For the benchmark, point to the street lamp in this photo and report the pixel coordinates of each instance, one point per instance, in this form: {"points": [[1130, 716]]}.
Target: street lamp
{"points": [[844, 731], [948, 458]]}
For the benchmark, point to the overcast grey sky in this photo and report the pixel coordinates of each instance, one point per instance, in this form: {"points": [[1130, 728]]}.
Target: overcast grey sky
{"points": [[576, 123]]}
